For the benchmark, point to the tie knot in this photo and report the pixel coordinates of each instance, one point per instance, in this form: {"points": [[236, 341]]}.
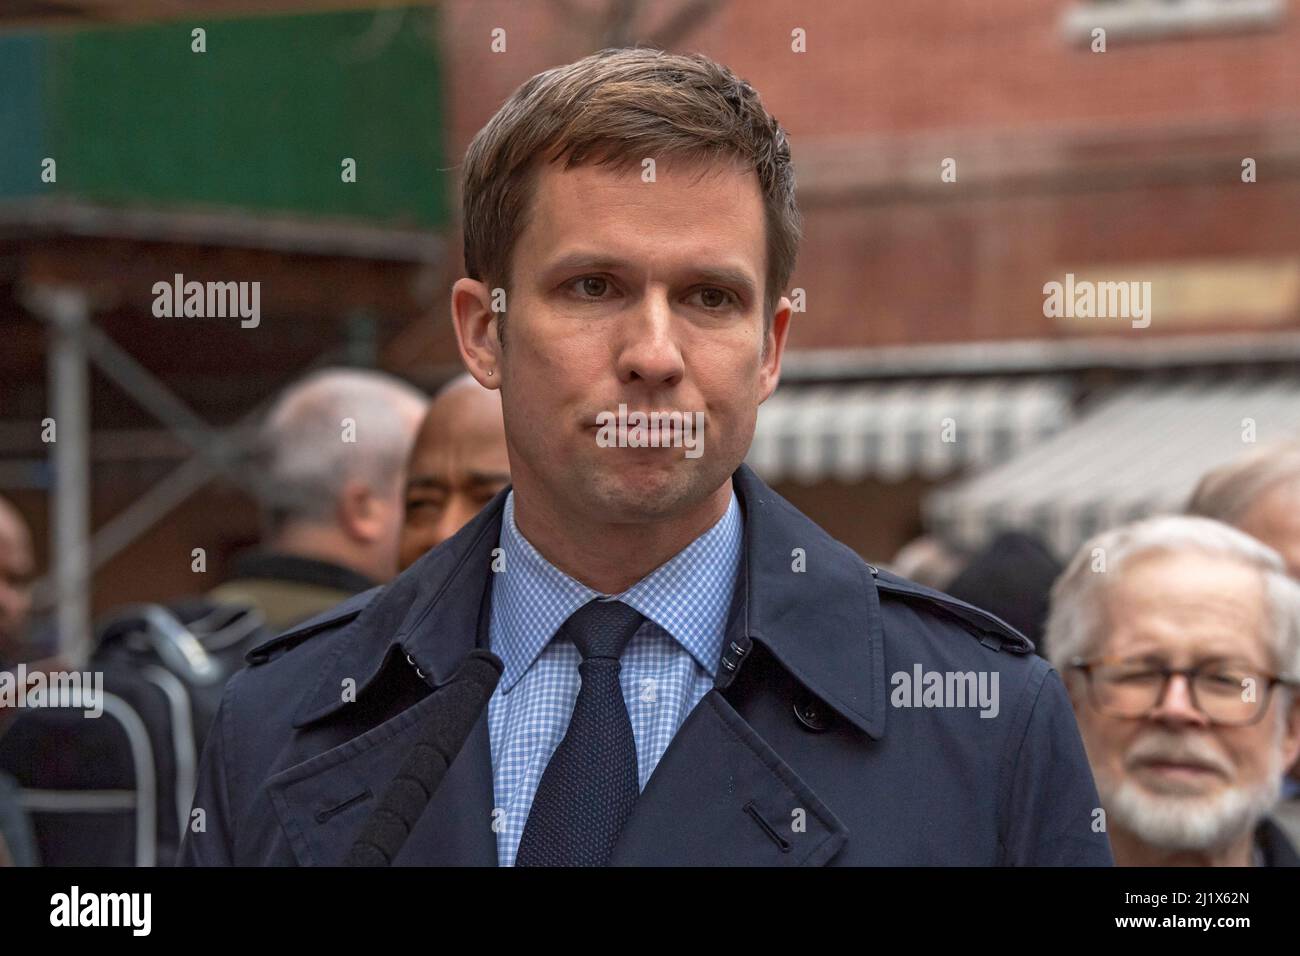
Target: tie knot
{"points": [[602, 628]]}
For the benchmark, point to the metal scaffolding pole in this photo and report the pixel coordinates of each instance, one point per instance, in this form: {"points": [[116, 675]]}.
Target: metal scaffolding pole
{"points": [[67, 311]]}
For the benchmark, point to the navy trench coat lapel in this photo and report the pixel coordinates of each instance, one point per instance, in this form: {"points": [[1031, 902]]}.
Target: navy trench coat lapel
{"points": [[720, 794]]}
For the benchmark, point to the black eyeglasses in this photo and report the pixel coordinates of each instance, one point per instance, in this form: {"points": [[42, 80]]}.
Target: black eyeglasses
{"points": [[1228, 694]]}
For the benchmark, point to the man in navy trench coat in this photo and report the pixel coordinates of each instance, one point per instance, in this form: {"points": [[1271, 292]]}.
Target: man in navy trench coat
{"points": [[804, 723], [841, 715]]}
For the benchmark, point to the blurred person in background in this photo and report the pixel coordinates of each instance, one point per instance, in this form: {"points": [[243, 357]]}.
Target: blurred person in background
{"points": [[457, 465], [17, 845], [1011, 577], [17, 841], [927, 560], [331, 452], [1179, 638], [16, 570], [1260, 493]]}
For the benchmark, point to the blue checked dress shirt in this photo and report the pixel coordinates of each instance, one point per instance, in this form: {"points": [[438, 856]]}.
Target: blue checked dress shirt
{"points": [[668, 665]]}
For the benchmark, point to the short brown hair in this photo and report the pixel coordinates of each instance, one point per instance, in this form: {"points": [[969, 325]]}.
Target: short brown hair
{"points": [[614, 108]]}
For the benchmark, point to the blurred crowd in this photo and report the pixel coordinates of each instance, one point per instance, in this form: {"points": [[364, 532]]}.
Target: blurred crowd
{"points": [[359, 474], [1178, 636]]}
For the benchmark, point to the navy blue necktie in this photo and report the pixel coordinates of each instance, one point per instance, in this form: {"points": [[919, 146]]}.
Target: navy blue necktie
{"points": [[587, 790]]}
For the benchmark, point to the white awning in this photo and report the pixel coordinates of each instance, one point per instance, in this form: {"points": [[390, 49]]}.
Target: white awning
{"points": [[1136, 452], [893, 431]]}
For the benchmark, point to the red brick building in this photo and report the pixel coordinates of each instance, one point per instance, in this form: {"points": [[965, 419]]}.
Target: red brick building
{"points": [[924, 291]]}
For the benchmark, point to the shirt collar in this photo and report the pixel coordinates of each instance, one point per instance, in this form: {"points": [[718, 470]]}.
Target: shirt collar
{"points": [[689, 595]]}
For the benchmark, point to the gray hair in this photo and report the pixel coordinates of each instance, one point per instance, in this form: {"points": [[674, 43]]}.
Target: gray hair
{"points": [[1227, 492], [1074, 623], [332, 427]]}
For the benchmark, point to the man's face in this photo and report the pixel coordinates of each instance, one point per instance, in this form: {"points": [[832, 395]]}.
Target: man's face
{"points": [[457, 464], [16, 569], [1275, 519], [647, 294], [1172, 778]]}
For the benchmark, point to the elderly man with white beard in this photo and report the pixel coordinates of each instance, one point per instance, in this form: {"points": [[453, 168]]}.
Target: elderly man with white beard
{"points": [[1179, 639]]}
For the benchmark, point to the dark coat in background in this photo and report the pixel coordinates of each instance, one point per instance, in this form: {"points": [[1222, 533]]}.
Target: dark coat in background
{"points": [[801, 754], [288, 589], [1012, 578]]}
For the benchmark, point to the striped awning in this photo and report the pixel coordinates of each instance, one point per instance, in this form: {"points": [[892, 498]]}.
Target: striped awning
{"points": [[1138, 451], [893, 431]]}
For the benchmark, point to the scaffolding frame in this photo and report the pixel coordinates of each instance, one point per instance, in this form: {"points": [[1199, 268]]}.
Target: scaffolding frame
{"points": [[76, 344]]}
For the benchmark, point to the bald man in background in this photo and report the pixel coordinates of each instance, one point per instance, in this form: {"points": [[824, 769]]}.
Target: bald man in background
{"points": [[457, 464], [331, 454]]}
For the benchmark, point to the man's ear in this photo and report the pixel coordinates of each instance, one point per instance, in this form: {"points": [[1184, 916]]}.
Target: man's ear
{"points": [[769, 374], [358, 512], [476, 330]]}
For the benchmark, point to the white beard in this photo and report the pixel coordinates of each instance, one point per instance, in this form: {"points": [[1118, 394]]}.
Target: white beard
{"points": [[1190, 823], [1171, 822]]}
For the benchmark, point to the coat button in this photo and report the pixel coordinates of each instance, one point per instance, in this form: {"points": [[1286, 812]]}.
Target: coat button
{"points": [[811, 713]]}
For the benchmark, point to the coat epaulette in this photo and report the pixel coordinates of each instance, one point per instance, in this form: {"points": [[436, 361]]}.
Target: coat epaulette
{"points": [[988, 627], [338, 615]]}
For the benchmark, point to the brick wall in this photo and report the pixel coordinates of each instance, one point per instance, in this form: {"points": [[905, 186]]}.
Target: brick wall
{"points": [[1065, 157]]}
